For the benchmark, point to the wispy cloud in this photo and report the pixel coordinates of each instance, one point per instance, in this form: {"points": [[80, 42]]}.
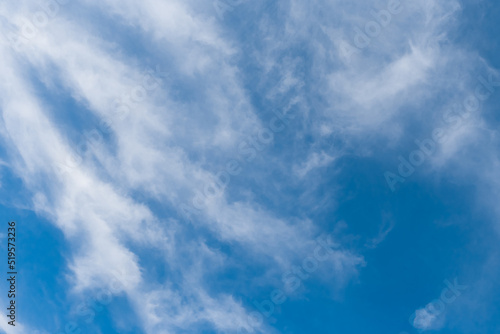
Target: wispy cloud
{"points": [[115, 114]]}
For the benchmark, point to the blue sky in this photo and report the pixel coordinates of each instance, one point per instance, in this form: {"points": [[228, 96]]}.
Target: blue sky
{"points": [[244, 166]]}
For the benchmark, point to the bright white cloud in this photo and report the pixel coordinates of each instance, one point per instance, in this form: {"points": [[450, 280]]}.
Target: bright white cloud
{"points": [[168, 145]]}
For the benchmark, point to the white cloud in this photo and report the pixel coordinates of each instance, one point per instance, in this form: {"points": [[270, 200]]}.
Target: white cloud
{"points": [[168, 146], [159, 149], [315, 160], [427, 319]]}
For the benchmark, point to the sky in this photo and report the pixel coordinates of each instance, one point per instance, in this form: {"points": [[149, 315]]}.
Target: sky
{"points": [[237, 166]]}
